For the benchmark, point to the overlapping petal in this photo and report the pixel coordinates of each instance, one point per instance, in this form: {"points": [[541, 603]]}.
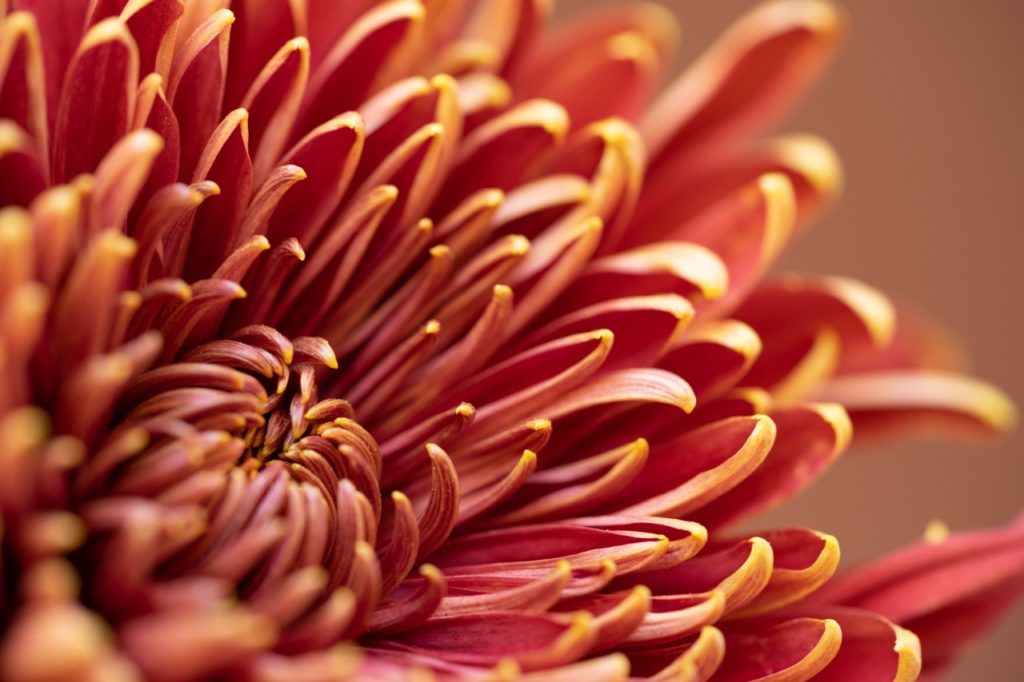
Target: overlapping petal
{"points": [[371, 340]]}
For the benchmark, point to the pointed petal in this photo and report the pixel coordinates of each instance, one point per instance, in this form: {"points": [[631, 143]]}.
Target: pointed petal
{"points": [[349, 71], [519, 137], [645, 327], [741, 571], [804, 560], [273, 102], [329, 155], [96, 108]]}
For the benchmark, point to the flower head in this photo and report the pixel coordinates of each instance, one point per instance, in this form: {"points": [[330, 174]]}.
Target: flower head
{"points": [[379, 340]]}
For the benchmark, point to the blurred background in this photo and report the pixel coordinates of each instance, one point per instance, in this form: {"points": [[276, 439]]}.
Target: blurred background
{"points": [[926, 108]]}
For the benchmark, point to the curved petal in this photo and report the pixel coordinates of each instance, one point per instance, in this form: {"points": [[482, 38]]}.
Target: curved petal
{"points": [[809, 439], [888, 402], [792, 651], [746, 79]]}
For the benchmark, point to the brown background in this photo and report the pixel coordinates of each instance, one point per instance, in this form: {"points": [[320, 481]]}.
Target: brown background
{"points": [[926, 107]]}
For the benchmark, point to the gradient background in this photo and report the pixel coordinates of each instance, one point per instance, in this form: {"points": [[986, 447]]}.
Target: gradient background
{"points": [[926, 108]]}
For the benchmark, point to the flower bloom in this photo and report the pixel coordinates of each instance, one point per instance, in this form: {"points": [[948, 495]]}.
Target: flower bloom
{"points": [[388, 340]]}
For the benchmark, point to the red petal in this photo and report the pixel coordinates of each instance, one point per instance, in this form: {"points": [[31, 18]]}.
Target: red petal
{"points": [[98, 104], [350, 70], [225, 161], [154, 24], [23, 83], [532, 641], [741, 572], [922, 402], [196, 85], [273, 102], [748, 78], [329, 155], [810, 437], [501, 152], [792, 651], [873, 647], [803, 561], [713, 356], [682, 476]]}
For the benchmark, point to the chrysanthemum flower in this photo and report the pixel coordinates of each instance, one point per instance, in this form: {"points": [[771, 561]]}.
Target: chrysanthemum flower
{"points": [[382, 340]]}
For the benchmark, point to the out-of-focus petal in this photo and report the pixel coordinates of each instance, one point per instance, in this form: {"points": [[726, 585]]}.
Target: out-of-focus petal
{"points": [[674, 194], [746, 79], [23, 83], [195, 87], [873, 648], [947, 591], [350, 69], [96, 108], [920, 402]]}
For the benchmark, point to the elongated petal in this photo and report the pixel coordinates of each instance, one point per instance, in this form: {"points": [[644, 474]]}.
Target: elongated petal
{"points": [[196, 85], [684, 475], [750, 76], [920, 402], [97, 107], [975, 576], [532, 641]]}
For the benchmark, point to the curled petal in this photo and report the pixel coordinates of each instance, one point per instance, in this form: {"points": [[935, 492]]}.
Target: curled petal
{"points": [[713, 356], [195, 87], [539, 548], [809, 438], [405, 609], [645, 327], [329, 154], [352, 67], [438, 517], [697, 662], [575, 488], [792, 651], [519, 137], [273, 101], [873, 646], [398, 549], [740, 571], [533, 596], [682, 476], [803, 561], [686, 269]]}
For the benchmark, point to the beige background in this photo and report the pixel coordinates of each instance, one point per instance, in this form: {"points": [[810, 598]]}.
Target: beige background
{"points": [[926, 107]]}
